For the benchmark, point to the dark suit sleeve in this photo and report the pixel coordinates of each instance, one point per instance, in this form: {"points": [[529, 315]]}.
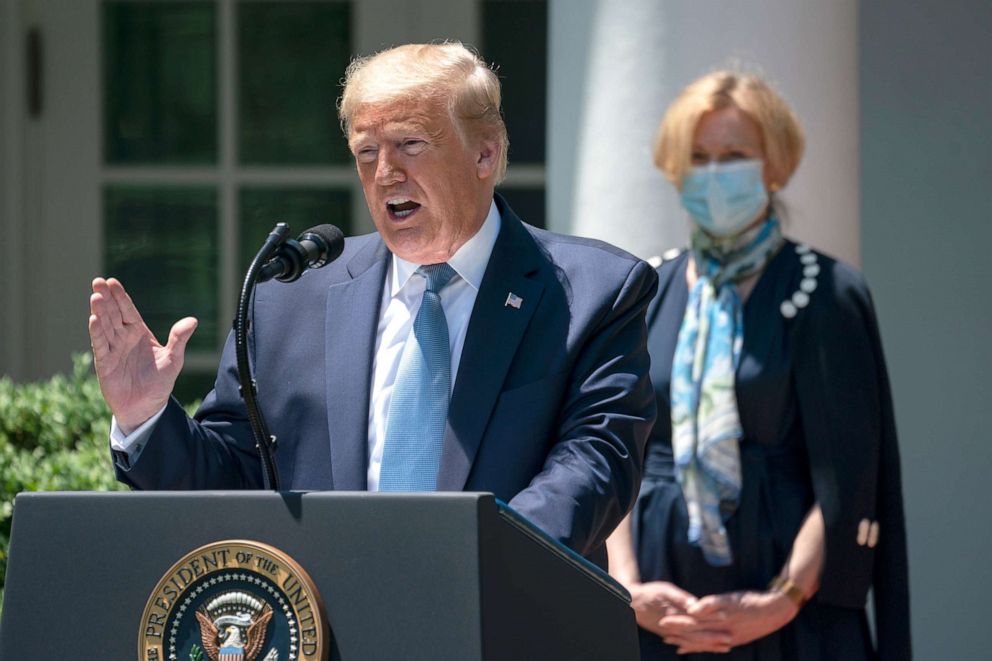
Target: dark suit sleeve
{"points": [[846, 408], [212, 450], [592, 473]]}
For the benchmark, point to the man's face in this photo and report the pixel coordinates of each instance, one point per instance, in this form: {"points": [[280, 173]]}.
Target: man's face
{"points": [[428, 191]]}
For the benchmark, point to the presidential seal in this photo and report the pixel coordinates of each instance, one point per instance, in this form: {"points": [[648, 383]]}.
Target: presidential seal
{"points": [[234, 600]]}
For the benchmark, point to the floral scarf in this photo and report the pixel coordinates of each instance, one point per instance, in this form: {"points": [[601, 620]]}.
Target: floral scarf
{"points": [[706, 426]]}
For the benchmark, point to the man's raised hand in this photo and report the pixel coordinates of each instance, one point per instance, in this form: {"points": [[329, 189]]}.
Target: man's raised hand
{"points": [[135, 371]]}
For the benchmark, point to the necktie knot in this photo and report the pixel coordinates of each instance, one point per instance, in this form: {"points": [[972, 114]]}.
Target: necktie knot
{"points": [[438, 275]]}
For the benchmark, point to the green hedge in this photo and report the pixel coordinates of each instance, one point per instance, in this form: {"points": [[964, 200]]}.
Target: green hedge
{"points": [[53, 437]]}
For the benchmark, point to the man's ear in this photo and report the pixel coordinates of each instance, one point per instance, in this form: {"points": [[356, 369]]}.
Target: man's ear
{"points": [[487, 157]]}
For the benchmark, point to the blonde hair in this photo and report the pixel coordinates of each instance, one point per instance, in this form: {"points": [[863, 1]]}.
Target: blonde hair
{"points": [[447, 72], [781, 133]]}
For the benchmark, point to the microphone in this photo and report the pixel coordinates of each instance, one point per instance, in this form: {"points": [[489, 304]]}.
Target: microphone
{"points": [[317, 247]]}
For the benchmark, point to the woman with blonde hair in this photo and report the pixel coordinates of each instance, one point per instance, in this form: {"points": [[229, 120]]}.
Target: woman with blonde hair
{"points": [[771, 499]]}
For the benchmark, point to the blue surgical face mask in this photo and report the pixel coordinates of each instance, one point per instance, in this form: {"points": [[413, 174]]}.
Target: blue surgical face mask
{"points": [[724, 198]]}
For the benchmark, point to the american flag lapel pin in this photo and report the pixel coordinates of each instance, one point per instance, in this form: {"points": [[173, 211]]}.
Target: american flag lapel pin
{"points": [[513, 301]]}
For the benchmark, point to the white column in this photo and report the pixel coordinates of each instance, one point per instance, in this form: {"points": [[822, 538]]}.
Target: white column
{"points": [[616, 65], [62, 187]]}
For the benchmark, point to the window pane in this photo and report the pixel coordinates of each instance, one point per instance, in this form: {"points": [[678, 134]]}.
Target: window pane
{"points": [[527, 203], [522, 69], [160, 82], [301, 208], [291, 57], [161, 243]]}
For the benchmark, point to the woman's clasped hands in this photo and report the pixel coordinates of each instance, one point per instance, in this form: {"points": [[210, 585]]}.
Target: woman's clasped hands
{"points": [[714, 623]]}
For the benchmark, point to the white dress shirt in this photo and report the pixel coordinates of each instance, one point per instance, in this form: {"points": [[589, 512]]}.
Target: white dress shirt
{"points": [[402, 293], [401, 296]]}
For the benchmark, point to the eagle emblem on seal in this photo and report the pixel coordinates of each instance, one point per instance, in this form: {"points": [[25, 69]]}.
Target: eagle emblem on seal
{"points": [[233, 627]]}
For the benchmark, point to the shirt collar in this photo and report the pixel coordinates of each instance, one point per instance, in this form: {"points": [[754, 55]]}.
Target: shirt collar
{"points": [[469, 261]]}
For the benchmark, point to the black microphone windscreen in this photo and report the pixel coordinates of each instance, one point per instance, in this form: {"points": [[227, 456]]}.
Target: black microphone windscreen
{"points": [[331, 236]]}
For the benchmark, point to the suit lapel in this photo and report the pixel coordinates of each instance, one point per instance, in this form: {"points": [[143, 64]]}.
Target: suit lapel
{"points": [[494, 332], [352, 317]]}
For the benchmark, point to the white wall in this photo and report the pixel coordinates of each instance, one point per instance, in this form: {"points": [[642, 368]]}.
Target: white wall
{"points": [[49, 248], [926, 144], [63, 242]]}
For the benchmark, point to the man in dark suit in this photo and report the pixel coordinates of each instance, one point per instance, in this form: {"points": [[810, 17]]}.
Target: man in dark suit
{"points": [[539, 395]]}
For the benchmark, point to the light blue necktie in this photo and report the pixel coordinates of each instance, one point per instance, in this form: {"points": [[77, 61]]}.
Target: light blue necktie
{"points": [[418, 409]]}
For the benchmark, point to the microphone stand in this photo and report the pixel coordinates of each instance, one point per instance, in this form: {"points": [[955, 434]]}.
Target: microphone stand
{"points": [[264, 442]]}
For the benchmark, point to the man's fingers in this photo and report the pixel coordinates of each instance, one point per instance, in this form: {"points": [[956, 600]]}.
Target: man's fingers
{"points": [[105, 308], [98, 338], [104, 305], [181, 331], [128, 312], [99, 285]]}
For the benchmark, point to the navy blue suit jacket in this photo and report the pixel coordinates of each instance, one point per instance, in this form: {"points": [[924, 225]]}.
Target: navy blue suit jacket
{"points": [[550, 411]]}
